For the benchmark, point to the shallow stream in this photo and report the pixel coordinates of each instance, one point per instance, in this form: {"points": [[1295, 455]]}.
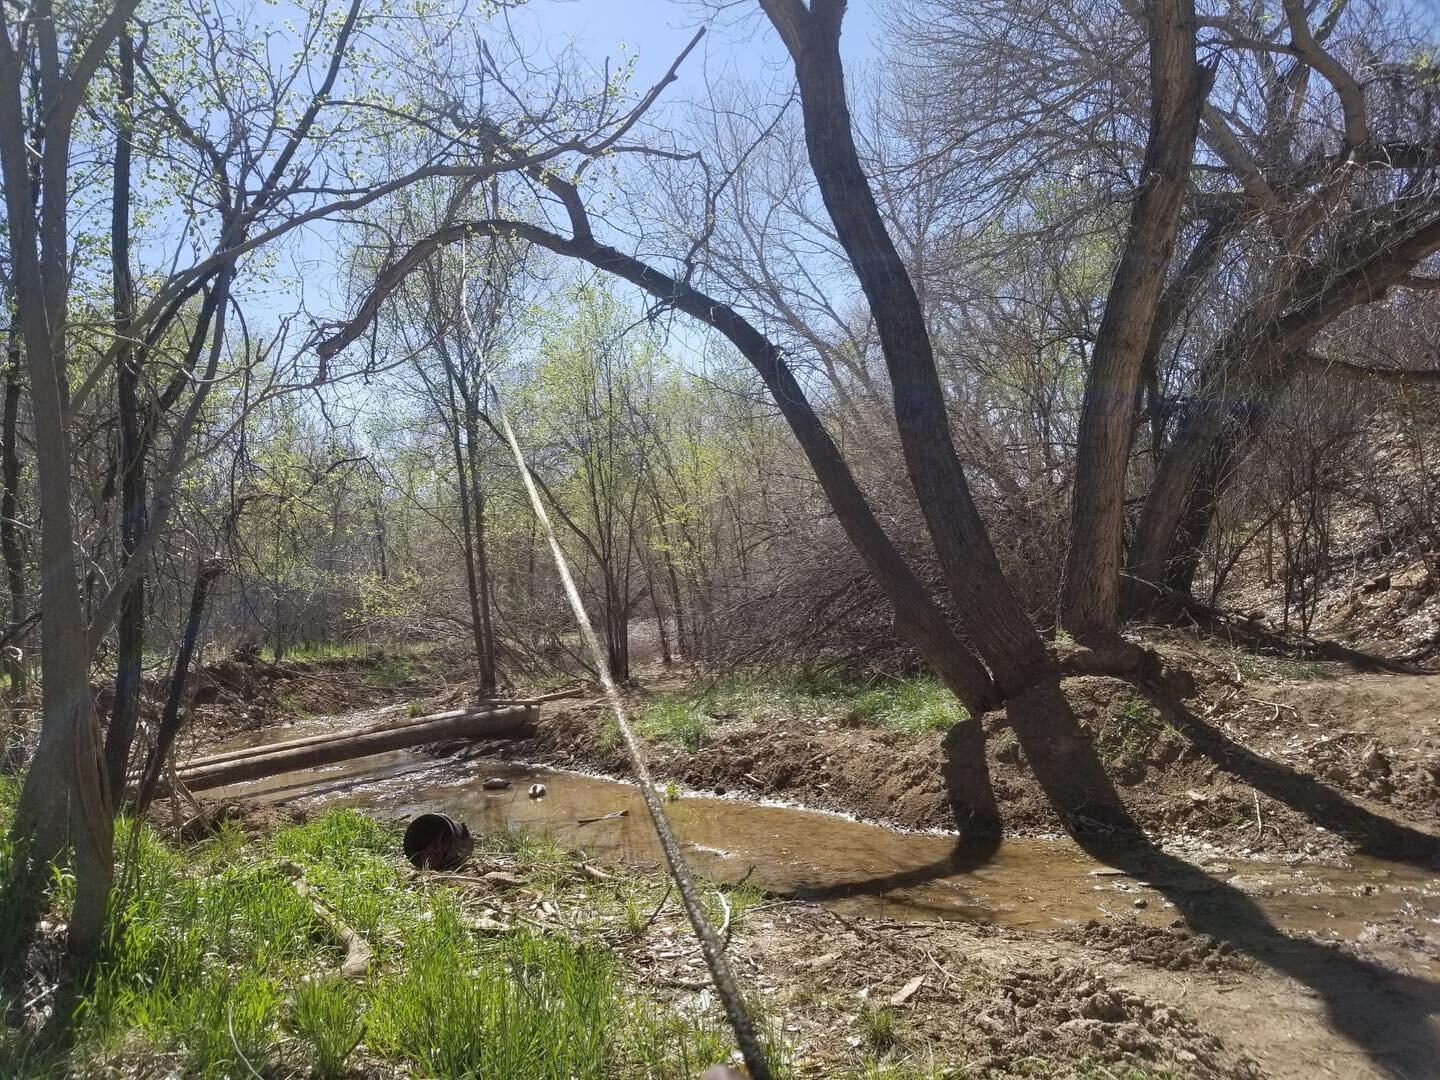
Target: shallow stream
{"points": [[865, 868]]}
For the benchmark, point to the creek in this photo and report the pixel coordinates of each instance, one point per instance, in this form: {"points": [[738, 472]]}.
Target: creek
{"points": [[858, 867]]}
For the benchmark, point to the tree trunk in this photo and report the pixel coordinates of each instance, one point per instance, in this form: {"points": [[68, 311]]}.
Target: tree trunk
{"points": [[993, 617], [1252, 363], [64, 799], [1090, 602], [462, 487], [488, 673], [132, 450], [14, 667], [666, 657], [205, 575]]}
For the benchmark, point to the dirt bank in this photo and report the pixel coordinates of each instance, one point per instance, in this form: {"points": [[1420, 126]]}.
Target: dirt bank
{"points": [[1262, 765]]}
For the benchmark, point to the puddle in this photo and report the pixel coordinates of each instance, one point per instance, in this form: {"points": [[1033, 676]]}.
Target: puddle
{"points": [[863, 868]]}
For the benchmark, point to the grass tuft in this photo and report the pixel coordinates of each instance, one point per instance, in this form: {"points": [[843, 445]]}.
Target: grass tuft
{"points": [[914, 705], [327, 1014], [879, 1027], [678, 719]]}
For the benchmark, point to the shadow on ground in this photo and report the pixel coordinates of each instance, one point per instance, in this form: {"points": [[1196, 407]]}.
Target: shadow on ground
{"points": [[1388, 1016]]}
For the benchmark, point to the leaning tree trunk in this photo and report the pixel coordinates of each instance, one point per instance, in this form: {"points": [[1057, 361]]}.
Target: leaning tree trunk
{"points": [[205, 576], [1252, 363], [994, 619], [918, 618], [1090, 602]]}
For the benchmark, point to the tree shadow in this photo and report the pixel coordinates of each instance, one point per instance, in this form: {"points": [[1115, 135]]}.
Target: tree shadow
{"points": [[1370, 832], [1384, 1013], [971, 796], [1241, 632]]}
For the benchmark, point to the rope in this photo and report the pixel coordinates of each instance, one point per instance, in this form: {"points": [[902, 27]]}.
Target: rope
{"points": [[710, 945]]}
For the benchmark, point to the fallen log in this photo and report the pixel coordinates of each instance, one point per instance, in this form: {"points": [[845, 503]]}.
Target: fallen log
{"points": [[317, 750], [390, 725], [324, 737]]}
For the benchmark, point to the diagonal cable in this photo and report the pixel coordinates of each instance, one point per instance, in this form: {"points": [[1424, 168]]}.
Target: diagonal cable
{"points": [[710, 947]]}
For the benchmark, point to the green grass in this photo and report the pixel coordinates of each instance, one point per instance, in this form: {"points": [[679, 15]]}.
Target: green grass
{"points": [[880, 1026], [1131, 728], [679, 720], [914, 705], [358, 650], [390, 672], [687, 718], [217, 966]]}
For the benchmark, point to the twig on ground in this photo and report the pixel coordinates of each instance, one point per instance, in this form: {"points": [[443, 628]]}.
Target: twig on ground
{"points": [[724, 931], [603, 817], [669, 884], [358, 953]]}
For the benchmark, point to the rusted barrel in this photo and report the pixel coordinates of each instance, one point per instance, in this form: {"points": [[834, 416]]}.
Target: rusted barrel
{"points": [[437, 842]]}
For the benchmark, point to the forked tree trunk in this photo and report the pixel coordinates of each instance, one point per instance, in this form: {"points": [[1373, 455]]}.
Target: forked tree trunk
{"points": [[1090, 602]]}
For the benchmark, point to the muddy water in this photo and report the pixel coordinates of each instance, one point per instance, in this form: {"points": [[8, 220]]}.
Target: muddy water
{"points": [[856, 867]]}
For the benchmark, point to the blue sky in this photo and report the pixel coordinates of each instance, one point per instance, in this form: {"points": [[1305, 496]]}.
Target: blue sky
{"points": [[739, 45], [738, 39]]}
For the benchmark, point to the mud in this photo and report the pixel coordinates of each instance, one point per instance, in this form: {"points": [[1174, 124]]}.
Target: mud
{"points": [[1232, 770]]}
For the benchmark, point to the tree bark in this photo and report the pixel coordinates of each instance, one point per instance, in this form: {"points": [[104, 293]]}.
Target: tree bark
{"points": [[462, 485], [1090, 600], [14, 554], [994, 620], [488, 673], [131, 451], [65, 799], [205, 575]]}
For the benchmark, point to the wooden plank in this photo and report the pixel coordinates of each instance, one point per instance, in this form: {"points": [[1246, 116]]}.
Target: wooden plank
{"points": [[342, 746]]}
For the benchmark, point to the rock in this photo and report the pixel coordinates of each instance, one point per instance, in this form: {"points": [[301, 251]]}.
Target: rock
{"points": [[1373, 761], [906, 992], [1374, 585], [495, 783], [1415, 576], [1103, 1006]]}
